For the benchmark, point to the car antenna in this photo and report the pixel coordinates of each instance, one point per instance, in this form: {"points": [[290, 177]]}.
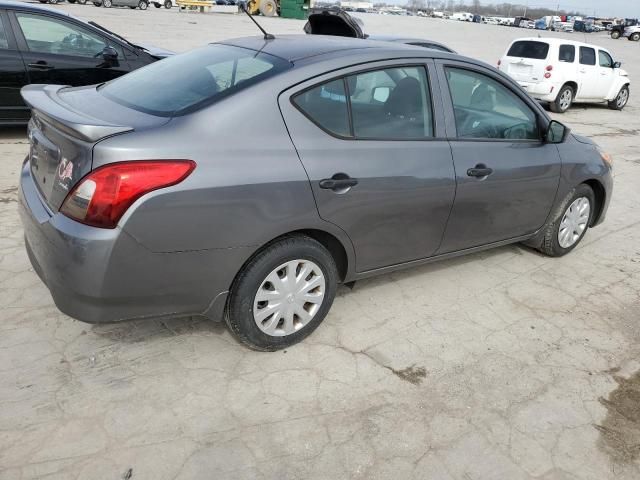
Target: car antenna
{"points": [[267, 36]]}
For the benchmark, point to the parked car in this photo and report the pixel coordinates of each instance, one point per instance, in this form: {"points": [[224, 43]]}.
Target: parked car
{"points": [[632, 33], [563, 72], [133, 4], [618, 30], [164, 3], [42, 45], [143, 202], [337, 22]]}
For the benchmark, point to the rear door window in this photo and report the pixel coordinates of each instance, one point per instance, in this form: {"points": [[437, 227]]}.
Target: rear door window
{"points": [[587, 56], [186, 82], [326, 106], [567, 53], [529, 49]]}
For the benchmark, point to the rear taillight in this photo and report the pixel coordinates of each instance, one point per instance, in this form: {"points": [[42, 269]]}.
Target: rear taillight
{"points": [[548, 71], [549, 68], [547, 75], [101, 198]]}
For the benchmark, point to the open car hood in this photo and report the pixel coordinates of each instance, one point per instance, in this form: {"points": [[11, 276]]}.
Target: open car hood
{"points": [[334, 21]]}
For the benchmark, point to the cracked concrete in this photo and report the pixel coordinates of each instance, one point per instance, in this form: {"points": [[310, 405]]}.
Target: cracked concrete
{"points": [[500, 365]]}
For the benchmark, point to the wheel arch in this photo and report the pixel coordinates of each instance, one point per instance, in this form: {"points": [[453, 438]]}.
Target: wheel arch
{"points": [[601, 197]]}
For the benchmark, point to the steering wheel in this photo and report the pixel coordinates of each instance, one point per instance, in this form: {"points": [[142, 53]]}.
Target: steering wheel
{"points": [[519, 131]]}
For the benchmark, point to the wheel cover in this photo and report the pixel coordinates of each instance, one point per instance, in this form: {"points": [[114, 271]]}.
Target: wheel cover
{"points": [[623, 97], [574, 222], [289, 298], [565, 99]]}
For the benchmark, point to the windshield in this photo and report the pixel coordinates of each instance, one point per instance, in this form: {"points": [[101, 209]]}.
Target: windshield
{"points": [[187, 82], [529, 49]]}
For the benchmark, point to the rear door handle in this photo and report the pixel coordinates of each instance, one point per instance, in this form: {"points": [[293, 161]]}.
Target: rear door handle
{"points": [[41, 65], [338, 182], [479, 171]]}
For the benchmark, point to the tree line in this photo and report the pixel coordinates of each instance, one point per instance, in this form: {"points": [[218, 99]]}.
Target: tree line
{"points": [[490, 9]]}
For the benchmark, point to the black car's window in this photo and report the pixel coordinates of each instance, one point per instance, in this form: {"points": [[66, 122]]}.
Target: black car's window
{"points": [[529, 49], [326, 105], [52, 35], [4, 43], [484, 108], [183, 83], [391, 104], [567, 53], [605, 59], [587, 56]]}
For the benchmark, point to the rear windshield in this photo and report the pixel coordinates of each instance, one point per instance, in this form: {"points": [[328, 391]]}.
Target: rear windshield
{"points": [[529, 49], [186, 82]]}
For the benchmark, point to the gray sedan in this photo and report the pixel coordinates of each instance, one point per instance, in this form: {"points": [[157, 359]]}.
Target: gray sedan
{"points": [[263, 173]]}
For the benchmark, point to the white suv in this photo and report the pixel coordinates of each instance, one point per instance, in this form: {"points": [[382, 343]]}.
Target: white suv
{"points": [[562, 72]]}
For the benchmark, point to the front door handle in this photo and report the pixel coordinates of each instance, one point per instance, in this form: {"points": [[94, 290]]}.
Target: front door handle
{"points": [[41, 65], [339, 181], [479, 171]]}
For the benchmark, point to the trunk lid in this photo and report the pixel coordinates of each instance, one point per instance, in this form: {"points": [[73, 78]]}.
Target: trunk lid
{"points": [[526, 61], [65, 125], [333, 21]]}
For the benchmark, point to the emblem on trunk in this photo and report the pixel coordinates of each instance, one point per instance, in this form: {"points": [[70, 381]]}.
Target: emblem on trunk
{"points": [[65, 173]]}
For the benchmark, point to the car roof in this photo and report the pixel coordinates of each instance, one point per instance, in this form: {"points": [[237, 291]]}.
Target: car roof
{"points": [[298, 47], [33, 7], [558, 41]]}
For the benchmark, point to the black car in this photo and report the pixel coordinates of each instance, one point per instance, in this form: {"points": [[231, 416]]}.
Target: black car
{"points": [[40, 45]]}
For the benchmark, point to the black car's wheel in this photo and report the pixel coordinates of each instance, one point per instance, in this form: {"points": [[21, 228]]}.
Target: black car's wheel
{"points": [[143, 5], [71, 1], [621, 99], [282, 294], [569, 222], [107, 3], [635, 37], [157, 5], [563, 101], [97, 4], [133, 8], [615, 34], [168, 4]]}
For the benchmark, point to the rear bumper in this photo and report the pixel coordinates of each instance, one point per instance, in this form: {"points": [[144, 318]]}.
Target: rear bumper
{"points": [[99, 275], [544, 91]]}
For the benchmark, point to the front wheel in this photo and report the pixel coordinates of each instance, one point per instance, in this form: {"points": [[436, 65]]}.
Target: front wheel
{"points": [[143, 5], [621, 99], [168, 4], [563, 101], [635, 37], [615, 35], [107, 3], [569, 222], [282, 294], [97, 4]]}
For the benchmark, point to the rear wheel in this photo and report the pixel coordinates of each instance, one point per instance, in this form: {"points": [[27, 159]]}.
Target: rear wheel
{"points": [[268, 8], [563, 101], [97, 4], [107, 3], [282, 294], [569, 222], [635, 37], [71, 1], [168, 4], [615, 34], [143, 5], [621, 99]]}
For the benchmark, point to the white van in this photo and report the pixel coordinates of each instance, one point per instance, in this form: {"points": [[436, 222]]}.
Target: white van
{"points": [[563, 72]]}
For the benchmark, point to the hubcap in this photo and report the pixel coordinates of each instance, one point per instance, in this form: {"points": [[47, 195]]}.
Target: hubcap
{"points": [[623, 96], [565, 99], [574, 222], [289, 298]]}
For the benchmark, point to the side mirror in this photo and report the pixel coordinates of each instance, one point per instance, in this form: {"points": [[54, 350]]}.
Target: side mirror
{"points": [[617, 65], [556, 132], [381, 94], [110, 54]]}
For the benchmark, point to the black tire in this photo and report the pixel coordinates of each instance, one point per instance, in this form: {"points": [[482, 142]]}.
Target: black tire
{"points": [[71, 1], [550, 244], [621, 99], [143, 5], [635, 37], [268, 8], [97, 4], [239, 311], [168, 4], [557, 106], [107, 3], [133, 8], [157, 5], [615, 34]]}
